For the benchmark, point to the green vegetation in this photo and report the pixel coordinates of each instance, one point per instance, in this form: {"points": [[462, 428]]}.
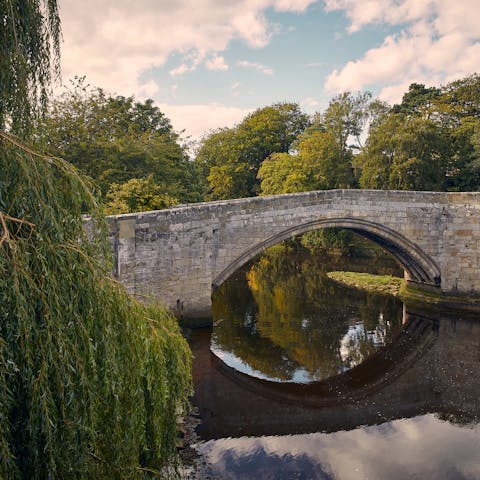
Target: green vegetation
{"points": [[230, 158], [29, 59], [115, 139], [431, 141], [385, 284], [137, 195], [91, 381], [428, 142]]}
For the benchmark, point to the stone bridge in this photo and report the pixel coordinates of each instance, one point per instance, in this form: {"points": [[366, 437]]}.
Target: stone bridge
{"points": [[180, 255]]}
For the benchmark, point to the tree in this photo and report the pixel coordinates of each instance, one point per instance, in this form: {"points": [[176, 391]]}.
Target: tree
{"points": [[463, 165], [283, 173], [29, 59], [230, 157], [137, 195], [457, 109], [418, 100], [346, 120], [347, 117], [91, 381], [319, 164], [427, 141], [330, 165], [404, 153], [114, 139], [459, 99]]}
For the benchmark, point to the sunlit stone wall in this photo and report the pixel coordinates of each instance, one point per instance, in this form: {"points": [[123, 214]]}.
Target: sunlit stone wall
{"points": [[176, 255]]}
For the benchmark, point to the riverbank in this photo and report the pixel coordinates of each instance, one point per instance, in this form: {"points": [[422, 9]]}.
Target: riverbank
{"points": [[383, 284], [414, 296]]}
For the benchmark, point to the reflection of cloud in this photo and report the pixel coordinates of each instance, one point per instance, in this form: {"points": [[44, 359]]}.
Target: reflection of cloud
{"points": [[422, 447], [238, 364], [351, 343]]}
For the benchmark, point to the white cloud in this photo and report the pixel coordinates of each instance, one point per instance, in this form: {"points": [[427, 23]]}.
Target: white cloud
{"points": [[148, 89], [180, 70], [114, 42], [439, 41], [292, 5], [393, 12], [198, 119], [216, 63], [257, 66]]}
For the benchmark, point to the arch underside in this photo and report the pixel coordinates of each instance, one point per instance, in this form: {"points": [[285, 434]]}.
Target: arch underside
{"points": [[421, 268]]}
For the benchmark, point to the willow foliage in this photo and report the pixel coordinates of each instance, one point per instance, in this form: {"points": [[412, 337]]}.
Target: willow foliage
{"points": [[29, 58], [91, 381]]}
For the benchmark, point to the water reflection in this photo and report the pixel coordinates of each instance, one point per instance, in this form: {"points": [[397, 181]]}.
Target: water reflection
{"points": [[422, 447], [283, 319], [397, 393]]}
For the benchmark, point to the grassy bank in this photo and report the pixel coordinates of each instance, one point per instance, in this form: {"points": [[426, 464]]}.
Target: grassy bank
{"points": [[414, 296], [383, 284]]}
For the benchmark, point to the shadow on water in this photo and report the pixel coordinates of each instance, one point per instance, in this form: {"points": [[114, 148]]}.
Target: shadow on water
{"points": [[412, 389]]}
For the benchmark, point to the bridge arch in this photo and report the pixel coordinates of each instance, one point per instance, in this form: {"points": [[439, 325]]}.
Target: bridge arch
{"points": [[421, 268]]}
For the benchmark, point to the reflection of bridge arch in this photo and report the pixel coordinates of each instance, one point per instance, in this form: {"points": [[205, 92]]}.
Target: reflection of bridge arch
{"points": [[362, 381], [415, 374], [420, 267]]}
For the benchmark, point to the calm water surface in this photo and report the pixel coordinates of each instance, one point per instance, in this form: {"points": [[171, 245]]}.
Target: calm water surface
{"points": [[301, 378]]}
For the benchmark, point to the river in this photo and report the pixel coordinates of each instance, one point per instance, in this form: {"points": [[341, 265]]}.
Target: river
{"points": [[303, 378]]}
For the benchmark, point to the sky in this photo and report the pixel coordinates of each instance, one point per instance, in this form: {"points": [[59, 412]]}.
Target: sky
{"points": [[208, 63]]}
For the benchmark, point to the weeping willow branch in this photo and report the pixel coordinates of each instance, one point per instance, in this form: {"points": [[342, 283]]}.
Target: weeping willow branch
{"points": [[29, 60], [86, 371], [5, 231]]}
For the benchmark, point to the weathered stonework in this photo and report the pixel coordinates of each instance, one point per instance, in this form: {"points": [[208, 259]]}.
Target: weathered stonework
{"points": [[181, 254]]}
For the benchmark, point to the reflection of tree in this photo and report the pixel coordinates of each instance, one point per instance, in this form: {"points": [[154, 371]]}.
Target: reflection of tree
{"points": [[297, 317], [235, 330]]}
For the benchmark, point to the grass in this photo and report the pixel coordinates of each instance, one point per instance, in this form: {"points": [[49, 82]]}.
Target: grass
{"points": [[384, 284]]}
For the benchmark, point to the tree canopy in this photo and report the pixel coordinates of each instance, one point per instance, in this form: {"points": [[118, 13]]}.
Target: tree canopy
{"points": [[404, 153], [91, 380], [230, 157], [137, 195], [319, 164], [427, 142], [114, 139]]}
